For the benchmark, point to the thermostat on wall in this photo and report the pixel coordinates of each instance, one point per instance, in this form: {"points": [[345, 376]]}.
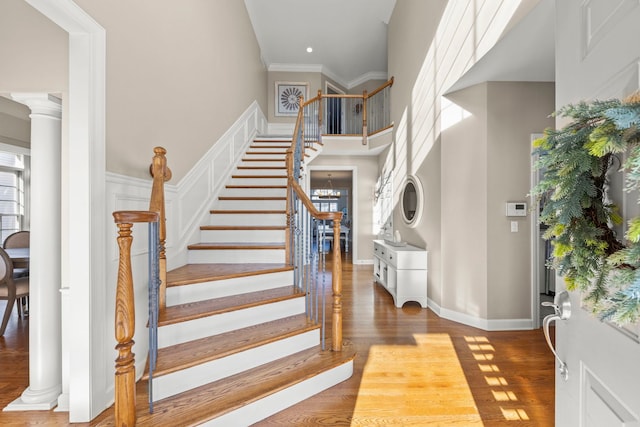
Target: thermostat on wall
{"points": [[516, 209]]}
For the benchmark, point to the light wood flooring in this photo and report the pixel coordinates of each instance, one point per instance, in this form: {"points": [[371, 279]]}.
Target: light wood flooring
{"points": [[412, 369]]}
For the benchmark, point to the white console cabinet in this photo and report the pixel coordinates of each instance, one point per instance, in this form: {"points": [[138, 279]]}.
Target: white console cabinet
{"points": [[402, 270]]}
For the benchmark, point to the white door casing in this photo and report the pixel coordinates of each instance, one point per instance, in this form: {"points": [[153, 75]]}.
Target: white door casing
{"points": [[597, 57]]}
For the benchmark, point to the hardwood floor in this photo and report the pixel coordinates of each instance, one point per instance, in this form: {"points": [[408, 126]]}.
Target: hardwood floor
{"points": [[412, 369]]}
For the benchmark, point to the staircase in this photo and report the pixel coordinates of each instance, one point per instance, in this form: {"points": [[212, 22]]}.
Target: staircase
{"points": [[235, 344]]}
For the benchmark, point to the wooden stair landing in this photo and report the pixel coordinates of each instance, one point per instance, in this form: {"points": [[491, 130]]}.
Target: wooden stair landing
{"points": [[200, 273]]}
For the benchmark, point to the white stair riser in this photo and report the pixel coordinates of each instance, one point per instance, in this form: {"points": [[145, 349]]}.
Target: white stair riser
{"points": [[270, 172], [235, 256], [207, 326], [242, 236], [251, 205], [269, 148], [263, 163], [250, 180], [273, 153], [264, 408], [187, 379], [247, 219], [253, 192], [223, 288]]}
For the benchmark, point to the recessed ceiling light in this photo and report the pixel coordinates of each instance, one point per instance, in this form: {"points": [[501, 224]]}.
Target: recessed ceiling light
{"points": [[309, 49]]}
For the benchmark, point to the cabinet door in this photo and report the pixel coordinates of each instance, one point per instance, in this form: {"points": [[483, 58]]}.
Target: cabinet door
{"points": [[392, 274]]}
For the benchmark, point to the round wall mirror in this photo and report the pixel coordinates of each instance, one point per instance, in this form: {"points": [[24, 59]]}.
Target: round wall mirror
{"points": [[411, 201]]}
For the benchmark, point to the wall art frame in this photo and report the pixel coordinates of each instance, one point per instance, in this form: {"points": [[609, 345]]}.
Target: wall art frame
{"points": [[287, 97]]}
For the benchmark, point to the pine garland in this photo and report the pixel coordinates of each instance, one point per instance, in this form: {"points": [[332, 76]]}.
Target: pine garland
{"points": [[577, 161]]}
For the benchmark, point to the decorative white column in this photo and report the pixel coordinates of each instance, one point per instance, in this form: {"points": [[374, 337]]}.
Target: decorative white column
{"points": [[45, 360]]}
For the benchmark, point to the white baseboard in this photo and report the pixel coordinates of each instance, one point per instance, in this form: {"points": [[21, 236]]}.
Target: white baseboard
{"points": [[476, 322]]}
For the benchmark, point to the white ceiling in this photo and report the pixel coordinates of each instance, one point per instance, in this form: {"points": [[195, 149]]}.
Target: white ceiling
{"points": [[348, 37], [349, 40]]}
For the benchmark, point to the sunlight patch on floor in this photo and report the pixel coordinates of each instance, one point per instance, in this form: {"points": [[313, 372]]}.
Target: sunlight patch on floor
{"points": [[483, 351], [437, 395]]}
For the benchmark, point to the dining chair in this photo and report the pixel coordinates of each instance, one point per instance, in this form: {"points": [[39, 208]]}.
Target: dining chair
{"points": [[11, 289], [19, 239]]}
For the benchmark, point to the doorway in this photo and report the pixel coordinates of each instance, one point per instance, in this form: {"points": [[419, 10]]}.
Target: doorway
{"points": [[331, 190], [542, 278], [334, 121]]}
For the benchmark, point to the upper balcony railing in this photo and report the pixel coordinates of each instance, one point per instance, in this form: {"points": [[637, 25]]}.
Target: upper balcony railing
{"points": [[348, 114]]}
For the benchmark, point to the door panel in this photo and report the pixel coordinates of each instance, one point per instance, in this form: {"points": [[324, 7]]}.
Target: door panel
{"points": [[597, 57], [601, 407]]}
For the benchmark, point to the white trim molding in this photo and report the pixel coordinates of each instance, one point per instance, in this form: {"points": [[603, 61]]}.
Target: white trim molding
{"points": [[476, 322]]}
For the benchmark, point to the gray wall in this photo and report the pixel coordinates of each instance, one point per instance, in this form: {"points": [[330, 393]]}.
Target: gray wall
{"points": [[178, 75], [486, 161], [478, 269], [410, 33]]}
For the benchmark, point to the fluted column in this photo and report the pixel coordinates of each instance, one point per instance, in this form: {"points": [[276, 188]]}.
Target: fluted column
{"points": [[45, 360]]}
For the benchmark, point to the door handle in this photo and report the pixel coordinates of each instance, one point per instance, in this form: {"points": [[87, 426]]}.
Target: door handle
{"points": [[562, 306]]}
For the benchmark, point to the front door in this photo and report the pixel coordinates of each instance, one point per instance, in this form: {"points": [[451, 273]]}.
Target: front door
{"points": [[597, 57]]}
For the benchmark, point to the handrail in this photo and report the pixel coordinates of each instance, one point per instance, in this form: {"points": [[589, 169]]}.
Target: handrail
{"points": [[389, 83], [354, 115], [125, 387], [299, 207]]}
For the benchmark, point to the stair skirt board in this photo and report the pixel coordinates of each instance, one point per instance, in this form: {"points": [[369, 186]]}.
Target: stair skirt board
{"points": [[231, 235], [274, 403], [222, 288], [236, 256], [182, 332], [269, 205], [180, 381]]}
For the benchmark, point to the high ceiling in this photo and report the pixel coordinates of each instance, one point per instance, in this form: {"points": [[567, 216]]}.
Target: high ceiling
{"points": [[349, 40], [348, 37]]}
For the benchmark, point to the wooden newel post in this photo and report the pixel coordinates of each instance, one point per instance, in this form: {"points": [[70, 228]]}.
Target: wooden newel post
{"points": [[336, 274], [125, 380], [161, 174]]}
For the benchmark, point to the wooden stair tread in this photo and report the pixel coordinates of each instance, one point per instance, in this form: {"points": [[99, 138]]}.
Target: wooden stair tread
{"points": [[236, 245], [258, 153], [261, 167], [259, 176], [286, 147], [256, 186], [245, 211], [193, 353], [199, 309], [264, 160], [268, 140], [198, 273], [218, 398]]}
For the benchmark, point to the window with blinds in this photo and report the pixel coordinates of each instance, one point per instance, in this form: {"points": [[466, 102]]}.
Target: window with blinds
{"points": [[11, 193]]}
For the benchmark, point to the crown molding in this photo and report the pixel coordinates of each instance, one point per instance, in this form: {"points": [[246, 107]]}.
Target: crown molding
{"points": [[319, 68], [373, 75]]}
